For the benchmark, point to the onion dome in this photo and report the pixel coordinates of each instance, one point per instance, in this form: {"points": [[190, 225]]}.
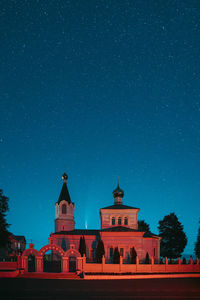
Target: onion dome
{"points": [[118, 192]]}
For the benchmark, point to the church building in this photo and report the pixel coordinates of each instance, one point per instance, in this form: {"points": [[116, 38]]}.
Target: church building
{"points": [[119, 228]]}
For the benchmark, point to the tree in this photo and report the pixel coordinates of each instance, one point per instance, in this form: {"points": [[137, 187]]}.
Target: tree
{"points": [[100, 251], [143, 226], [133, 255], [82, 246], [197, 244], [147, 259], [4, 234], [116, 256], [184, 261], [173, 237]]}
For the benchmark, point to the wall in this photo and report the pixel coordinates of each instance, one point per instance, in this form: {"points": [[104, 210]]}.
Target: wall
{"points": [[107, 214], [127, 240], [90, 241], [11, 274], [139, 268], [8, 265], [124, 268]]}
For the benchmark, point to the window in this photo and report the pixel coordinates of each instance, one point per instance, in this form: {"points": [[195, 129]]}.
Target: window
{"points": [[125, 221], [113, 221], [64, 209], [119, 221], [154, 251], [121, 252]]}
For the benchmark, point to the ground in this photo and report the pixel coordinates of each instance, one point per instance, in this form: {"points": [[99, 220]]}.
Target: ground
{"points": [[19, 289]]}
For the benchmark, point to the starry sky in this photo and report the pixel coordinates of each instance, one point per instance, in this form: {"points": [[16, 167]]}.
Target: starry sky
{"points": [[100, 89]]}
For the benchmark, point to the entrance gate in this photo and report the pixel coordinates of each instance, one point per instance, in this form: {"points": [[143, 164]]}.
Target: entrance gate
{"points": [[31, 263], [51, 263], [72, 264], [51, 258]]}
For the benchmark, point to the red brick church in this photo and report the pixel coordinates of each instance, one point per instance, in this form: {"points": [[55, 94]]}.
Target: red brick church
{"points": [[119, 228]]}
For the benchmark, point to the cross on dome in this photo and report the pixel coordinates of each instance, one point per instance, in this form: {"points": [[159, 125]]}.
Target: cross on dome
{"points": [[64, 177]]}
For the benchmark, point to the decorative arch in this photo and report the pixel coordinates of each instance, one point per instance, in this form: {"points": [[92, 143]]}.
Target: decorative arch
{"points": [[30, 251], [53, 247], [72, 252], [25, 258], [74, 259], [54, 265]]}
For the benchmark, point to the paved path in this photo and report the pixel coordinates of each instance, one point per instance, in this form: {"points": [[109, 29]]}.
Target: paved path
{"points": [[50, 289]]}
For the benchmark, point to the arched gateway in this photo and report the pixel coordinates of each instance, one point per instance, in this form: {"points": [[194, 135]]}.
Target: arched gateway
{"points": [[51, 263], [29, 259], [74, 259], [70, 261]]}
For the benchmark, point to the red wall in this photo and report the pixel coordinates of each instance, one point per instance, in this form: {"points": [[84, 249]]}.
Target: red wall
{"points": [[8, 265]]}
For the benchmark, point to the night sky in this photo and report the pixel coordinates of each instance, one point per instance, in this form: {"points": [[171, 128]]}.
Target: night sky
{"points": [[100, 89]]}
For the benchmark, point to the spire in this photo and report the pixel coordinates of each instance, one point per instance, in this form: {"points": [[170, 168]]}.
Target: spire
{"points": [[64, 194], [118, 193]]}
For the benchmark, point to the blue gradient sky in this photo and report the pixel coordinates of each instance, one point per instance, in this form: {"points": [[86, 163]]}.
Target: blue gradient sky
{"points": [[100, 89]]}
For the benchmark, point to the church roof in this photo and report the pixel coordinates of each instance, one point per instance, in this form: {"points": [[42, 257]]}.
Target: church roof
{"points": [[80, 232], [119, 206], [127, 229], [64, 194], [20, 238], [96, 232], [150, 234], [119, 229]]}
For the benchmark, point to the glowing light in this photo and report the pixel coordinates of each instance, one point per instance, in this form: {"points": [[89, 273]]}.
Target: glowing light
{"points": [[86, 224]]}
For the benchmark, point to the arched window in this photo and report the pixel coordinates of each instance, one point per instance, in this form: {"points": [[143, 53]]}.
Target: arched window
{"points": [[113, 220], [119, 221], [125, 221], [64, 209]]}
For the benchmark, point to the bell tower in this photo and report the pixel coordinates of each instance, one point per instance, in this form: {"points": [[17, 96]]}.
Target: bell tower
{"points": [[64, 219]]}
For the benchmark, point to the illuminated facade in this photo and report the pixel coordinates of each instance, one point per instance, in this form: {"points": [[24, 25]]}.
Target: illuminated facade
{"points": [[119, 228]]}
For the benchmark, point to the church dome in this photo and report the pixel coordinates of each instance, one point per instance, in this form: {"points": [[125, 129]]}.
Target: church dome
{"points": [[118, 192]]}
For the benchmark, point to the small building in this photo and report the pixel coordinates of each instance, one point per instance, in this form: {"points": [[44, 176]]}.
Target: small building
{"points": [[15, 246], [119, 228]]}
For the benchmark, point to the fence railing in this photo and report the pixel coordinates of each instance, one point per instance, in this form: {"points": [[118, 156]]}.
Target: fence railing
{"points": [[192, 267]]}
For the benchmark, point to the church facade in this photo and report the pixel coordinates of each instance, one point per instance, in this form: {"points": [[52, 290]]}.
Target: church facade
{"points": [[119, 228]]}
